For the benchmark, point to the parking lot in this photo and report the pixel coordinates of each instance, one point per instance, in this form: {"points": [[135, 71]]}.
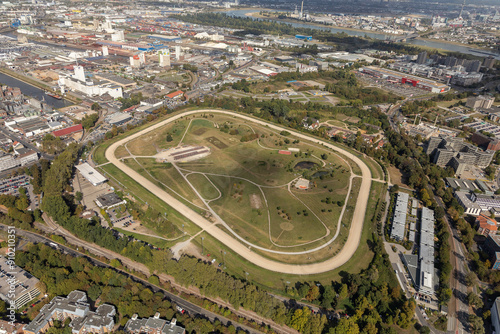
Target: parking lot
{"points": [[90, 193], [403, 90], [11, 185], [120, 217]]}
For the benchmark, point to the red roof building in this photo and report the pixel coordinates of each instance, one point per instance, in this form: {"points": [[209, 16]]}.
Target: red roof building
{"points": [[486, 225], [68, 131], [175, 95]]}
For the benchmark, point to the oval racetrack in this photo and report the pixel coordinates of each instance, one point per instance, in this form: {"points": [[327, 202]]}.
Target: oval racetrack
{"points": [[298, 269]]}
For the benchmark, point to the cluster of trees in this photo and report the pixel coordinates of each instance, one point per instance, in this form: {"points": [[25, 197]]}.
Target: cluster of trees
{"points": [[415, 107], [89, 121], [17, 213], [133, 100], [242, 85], [189, 67], [60, 274], [52, 145], [115, 131]]}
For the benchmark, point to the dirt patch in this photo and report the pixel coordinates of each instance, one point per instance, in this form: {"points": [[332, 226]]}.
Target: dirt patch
{"points": [[199, 132], [216, 142], [192, 250], [397, 177], [286, 226], [333, 100], [255, 201]]}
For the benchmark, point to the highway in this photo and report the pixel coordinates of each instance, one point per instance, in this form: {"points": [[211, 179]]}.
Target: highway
{"points": [[230, 241], [193, 309]]}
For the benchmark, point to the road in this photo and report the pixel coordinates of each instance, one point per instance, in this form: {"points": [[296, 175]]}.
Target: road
{"points": [[14, 137], [192, 309], [342, 257], [460, 317]]}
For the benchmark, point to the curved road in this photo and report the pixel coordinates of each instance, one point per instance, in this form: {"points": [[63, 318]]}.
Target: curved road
{"points": [[297, 269]]}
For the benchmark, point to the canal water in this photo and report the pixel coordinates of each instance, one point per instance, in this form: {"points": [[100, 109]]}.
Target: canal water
{"points": [[32, 91], [417, 42]]}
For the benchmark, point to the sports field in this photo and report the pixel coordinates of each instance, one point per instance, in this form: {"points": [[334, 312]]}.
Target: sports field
{"points": [[248, 182]]}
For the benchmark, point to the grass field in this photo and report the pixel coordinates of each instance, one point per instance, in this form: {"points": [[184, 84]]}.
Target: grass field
{"points": [[258, 162], [246, 180], [238, 266], [166, 177], [203, 185]]}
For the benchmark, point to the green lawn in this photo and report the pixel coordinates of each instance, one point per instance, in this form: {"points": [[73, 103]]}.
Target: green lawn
{"points": [[251, 161], [203, 185], [168, 179], [238, 266]]}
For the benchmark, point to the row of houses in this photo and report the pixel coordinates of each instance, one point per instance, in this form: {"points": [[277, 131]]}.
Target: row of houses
{"points": [[421, 266], [399, 218]]}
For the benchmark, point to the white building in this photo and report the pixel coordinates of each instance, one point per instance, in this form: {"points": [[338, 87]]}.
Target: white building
{"points": [[78, 82], [118, 36], [303, 68], [92, 175], [164, 58]]}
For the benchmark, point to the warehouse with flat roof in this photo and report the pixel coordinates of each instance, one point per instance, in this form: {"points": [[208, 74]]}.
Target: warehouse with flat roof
{"points": [[89, 173]]}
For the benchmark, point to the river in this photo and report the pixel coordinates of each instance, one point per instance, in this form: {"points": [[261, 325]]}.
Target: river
{"points": [[32, 91], [417, 42]]}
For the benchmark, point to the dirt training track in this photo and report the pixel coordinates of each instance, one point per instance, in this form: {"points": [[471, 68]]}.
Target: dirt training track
{"points": [[298, 269]]}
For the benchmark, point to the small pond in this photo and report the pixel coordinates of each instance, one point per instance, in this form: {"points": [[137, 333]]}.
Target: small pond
{"points": [[305, 165]]}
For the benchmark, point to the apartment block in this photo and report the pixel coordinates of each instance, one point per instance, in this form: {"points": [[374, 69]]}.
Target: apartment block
{"points": [[75, 307]]}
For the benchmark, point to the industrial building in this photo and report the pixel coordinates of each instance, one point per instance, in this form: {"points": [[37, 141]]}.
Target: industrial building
{"points": [[30, 126], [468, 185], [399, 218], [22, 157], [75, 307], [92, 175], [165, 38], [25, 289], [390, 75], [116, 79], [79, 82], [68, 131], [118, 118]]}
